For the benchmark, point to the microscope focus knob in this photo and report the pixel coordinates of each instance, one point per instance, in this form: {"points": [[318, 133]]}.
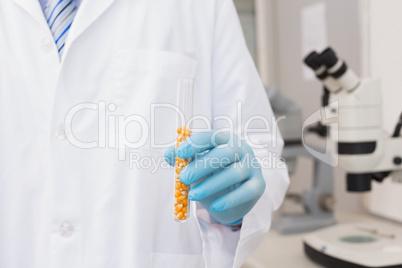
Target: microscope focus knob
{"points": [[327, 202]]}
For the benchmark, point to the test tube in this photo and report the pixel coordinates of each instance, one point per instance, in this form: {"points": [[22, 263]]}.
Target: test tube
{"points": [[185, 87]]}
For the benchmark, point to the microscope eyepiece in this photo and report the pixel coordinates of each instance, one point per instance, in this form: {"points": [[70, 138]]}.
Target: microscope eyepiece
{"points": [[338, 69], [329, 58], [313, 61]]}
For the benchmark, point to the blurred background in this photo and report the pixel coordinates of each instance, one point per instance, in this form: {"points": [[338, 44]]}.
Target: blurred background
{"points": [[279, 34]]}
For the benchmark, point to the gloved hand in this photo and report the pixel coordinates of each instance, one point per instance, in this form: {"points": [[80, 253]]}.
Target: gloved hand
{"points": [[226, 177]]}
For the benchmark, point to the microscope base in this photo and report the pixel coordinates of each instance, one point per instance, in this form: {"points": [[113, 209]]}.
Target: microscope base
{"points": [[293, 224], [330, 262], [358, 245]]}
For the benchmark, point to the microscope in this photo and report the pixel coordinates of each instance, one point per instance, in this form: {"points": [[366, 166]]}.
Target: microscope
{"points": [[367, 154], [364, 151]]}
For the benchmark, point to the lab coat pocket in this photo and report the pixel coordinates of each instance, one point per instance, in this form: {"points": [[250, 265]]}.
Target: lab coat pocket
{"points": [[145, 84], [163, 62], [163, 260], [143, 77]]}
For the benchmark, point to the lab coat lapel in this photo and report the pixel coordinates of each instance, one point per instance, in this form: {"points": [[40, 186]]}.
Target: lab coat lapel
{"points": [[33, 8], [88, 12]]}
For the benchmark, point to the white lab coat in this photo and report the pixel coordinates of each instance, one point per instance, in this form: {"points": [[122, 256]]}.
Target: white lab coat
{"points": [[66, 207]]}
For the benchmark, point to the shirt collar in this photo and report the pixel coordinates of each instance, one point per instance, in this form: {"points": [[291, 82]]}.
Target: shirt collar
{"points": [[45, 3]]}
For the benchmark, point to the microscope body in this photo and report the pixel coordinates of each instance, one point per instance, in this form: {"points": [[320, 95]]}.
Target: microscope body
{"points": [[359, 134], [362, 144], [364, 151]]}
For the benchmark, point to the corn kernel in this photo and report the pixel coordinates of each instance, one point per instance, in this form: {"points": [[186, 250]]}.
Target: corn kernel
{"points": [[180, 215]]}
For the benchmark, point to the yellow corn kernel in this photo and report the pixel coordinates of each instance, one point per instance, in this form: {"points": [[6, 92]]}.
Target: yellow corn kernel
{"points": [[180, 215]]}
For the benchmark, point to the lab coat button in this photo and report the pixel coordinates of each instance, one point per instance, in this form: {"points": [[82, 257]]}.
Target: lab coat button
{"points": [[46, 44], [66, 229], [60, 134]]}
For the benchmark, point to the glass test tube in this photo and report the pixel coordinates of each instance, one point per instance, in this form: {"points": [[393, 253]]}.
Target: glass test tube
{"points": [[185, 88]]}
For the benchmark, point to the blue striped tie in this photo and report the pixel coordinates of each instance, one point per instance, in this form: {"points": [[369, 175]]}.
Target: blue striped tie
{"points": [[59, 16]]}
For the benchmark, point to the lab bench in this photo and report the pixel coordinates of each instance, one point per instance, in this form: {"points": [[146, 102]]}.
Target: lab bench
{"points": [[286, 251]]}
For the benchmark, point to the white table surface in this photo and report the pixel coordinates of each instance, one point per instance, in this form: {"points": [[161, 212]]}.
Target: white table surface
{"points": [[280, 251]]}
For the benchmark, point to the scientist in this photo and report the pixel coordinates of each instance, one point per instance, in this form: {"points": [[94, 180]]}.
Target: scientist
{"points": [[66, 206]]}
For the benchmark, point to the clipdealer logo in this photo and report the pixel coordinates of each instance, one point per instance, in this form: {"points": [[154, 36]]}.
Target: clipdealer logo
{"points": [[112, 132], [329, 117]]}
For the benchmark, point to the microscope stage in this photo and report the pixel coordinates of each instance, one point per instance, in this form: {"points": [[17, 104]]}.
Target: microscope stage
{"points": [[357, 245]]}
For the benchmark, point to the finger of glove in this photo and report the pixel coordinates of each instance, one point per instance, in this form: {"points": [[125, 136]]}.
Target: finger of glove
{"points": [[201, 142], [250, 190], [170, 155], [233, 174], [216, 159]]}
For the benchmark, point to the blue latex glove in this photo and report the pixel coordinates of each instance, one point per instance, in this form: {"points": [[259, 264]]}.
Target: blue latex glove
{"points": [[225, 175]]}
